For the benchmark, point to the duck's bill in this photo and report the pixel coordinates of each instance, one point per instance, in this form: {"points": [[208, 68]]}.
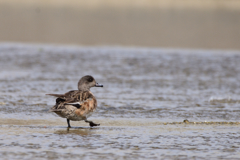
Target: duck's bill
{"points": [[98, 85]]}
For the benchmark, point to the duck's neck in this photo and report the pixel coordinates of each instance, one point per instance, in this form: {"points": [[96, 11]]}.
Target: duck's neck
{"points": [[83, 88]]}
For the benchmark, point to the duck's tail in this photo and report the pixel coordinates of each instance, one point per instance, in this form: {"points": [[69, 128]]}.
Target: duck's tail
{"points": [[56, 95]]}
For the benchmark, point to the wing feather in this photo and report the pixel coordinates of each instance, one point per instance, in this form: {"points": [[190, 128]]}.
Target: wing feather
{"points": [[74, 98]]}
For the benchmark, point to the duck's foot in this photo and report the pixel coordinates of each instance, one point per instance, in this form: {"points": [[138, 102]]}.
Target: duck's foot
{"points": [[91, 124], [68, 122]]}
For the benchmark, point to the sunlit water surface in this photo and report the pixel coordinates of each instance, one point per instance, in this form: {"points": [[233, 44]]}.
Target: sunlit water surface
{"points": [[145, 92]]}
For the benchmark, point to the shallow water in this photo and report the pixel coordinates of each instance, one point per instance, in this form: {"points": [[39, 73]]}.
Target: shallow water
{"points": [[147, 93]]}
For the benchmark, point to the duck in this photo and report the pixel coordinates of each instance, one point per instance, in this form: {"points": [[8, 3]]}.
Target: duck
{"points": [[77, 105]]}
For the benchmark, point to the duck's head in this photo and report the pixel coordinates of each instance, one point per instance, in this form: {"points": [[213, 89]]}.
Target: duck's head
{"points": [[86, 82]]}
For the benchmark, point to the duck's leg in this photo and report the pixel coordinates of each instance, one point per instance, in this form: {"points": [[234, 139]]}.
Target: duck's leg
{"points": [[91, 124], [68, 122]]}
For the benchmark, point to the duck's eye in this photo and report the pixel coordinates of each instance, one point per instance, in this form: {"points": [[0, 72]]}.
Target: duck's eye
{"points": [[90, 79]]}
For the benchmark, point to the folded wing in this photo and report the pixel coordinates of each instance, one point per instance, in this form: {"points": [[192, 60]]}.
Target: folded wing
{"points": [[75, 98]]}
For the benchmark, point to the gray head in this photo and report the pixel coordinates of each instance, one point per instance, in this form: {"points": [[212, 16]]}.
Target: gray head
{"points": [[86, 82]]}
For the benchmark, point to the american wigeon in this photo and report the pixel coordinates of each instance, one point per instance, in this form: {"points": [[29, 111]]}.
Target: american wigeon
{"points": [[77, 105]]}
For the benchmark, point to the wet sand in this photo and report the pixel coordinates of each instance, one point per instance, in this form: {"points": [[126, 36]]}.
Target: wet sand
{"points": [[141, 140], [147, 94]]}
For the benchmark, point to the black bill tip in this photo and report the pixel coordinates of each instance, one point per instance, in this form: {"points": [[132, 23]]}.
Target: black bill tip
{"points": [[98, 85]]}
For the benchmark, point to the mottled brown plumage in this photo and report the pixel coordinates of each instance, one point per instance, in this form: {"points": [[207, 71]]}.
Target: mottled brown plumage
{"points": [[77, 105]]}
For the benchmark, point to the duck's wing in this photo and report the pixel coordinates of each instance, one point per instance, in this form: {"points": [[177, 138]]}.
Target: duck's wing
{"points": [[83, 100], [76, 99], [61, 100]]}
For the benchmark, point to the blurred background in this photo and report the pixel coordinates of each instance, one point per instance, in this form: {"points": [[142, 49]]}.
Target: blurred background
{"points": [[205, 24], [163, 61]]}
